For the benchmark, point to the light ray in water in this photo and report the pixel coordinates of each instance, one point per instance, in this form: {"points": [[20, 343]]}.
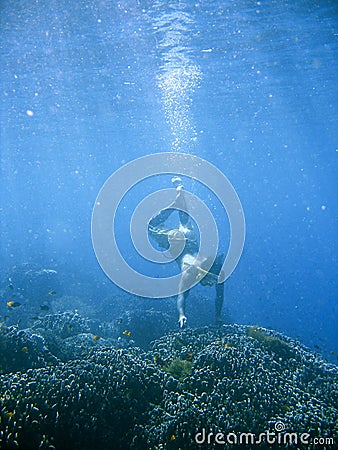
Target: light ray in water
{"points": [[179, 76]]}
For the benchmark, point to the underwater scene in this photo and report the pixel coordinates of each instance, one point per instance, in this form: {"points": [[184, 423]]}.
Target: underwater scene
{"points": [[168, 224]]}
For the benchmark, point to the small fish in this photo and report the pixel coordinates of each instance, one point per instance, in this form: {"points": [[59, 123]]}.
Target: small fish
{"points": [[96, 338], [155, 358], [172, 437], [119, 321], [51, 292], [44, 307], [10, 286], [126, 333], [12, 304], [227, 345], [25, 349], [10, 414], [189, 355]]}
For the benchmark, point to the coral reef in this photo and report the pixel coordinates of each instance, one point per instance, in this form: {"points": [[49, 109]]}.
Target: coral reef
{"points": [[52, 339], [179, 368], [96, 395], [272, 343], [147, 325]]}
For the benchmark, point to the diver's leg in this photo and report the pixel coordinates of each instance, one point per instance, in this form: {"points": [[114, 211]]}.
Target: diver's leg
{"points": [[159, 235], [184, 217], [162, 216], [180, 202], [155, 226]]}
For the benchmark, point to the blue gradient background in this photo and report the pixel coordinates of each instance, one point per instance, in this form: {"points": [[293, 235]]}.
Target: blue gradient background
{"points": [[260, 103]]}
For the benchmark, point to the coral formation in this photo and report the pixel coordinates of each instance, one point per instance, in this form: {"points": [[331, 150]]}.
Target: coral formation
{"points": [[230, 379], [272, 343], [179, 368]]}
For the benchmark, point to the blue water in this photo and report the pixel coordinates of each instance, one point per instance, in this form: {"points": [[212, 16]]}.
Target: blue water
{"points": [[250, 86]]}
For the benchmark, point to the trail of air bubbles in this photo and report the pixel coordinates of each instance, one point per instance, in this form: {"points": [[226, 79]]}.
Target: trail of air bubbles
{"points": [[179, 77]]}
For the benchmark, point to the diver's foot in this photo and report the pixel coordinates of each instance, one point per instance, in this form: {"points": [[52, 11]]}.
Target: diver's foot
{"points": [[182, 321], [177, 182]]}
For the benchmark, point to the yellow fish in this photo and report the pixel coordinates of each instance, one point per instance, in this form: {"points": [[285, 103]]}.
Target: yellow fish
{"points": [[126, 333], [12, 304]]}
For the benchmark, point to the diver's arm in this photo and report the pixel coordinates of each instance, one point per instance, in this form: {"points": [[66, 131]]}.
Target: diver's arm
{"points": [[188, 276], [219, 303], [181, 298]]}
